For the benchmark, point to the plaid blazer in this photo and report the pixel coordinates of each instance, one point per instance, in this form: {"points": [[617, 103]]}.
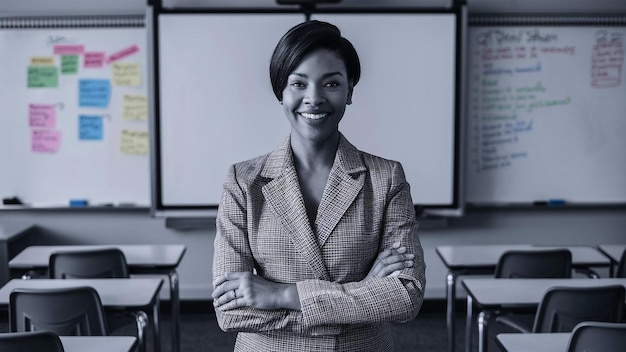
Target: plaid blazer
{"points": [[262, 226]]}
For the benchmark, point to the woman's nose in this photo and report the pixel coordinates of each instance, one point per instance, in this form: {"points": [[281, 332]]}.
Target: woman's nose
{"points": [[314, 96]]}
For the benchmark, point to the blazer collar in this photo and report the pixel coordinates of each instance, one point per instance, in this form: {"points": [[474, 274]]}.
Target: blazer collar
{"points": [[284, 196], [347, 159]]}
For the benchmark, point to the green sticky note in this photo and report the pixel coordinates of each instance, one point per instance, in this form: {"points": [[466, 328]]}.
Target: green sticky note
{"points": [[69, 64], [43, 77]]}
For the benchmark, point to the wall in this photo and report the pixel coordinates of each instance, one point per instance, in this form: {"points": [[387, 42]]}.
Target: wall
{"points": [[479, 226]]}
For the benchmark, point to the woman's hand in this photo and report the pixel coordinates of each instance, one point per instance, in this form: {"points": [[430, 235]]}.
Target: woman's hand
{"points": [[245, 289], [390, 260]]}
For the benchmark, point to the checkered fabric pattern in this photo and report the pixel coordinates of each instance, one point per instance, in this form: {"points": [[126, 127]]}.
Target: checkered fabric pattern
{"points": [[262, 225]]}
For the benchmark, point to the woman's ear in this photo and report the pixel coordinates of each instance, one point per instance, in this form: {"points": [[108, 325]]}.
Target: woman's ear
{"points": [[349, 100]]}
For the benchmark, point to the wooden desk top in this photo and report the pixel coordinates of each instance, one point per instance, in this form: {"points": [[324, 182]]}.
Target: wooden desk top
{"points": [[494, 293], [487, 256], [516, 342], [114, 293], [166, 256], [98, 343]]}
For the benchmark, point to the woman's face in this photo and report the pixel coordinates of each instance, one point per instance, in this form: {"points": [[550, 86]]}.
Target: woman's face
{"points": [[316, 94]]}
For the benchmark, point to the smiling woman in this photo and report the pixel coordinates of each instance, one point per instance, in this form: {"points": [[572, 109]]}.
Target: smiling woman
{"points": [[316, 245]]}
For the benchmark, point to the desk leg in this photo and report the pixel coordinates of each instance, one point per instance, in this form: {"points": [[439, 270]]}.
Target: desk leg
{"points": [[468, 324], [483, 317], [451, 309], [175, 301], [156, 333]]}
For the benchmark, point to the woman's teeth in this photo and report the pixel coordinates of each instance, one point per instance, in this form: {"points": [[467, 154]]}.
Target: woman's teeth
{"points": [[313, 116]]}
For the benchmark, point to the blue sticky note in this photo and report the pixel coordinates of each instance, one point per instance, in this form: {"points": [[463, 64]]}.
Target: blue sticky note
{"points": [[94, 93], [90, 127]]}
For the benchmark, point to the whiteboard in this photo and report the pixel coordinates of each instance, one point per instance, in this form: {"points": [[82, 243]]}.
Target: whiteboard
{"points": [[216, 106], [547, 114], [74, 122]]}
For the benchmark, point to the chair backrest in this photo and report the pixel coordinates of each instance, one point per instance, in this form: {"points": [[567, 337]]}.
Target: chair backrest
{"points": [[598, 337], [39, 341], [89, 264], [541, 263], [74, 311], [621, 266], [562, 308]]}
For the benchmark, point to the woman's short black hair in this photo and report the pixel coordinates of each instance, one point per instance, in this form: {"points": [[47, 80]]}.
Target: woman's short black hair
{"points": [[303, 39]]}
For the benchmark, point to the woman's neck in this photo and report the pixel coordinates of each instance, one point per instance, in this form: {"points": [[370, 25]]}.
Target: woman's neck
{"points": [[312, 155]]}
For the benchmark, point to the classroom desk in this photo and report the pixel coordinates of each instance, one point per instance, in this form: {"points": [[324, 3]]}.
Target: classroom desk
{"points": [[98, 343], [132, 294], [141, 259], [489, 294], [482, 260], [557, 341], [614, 252], [9, 233]]}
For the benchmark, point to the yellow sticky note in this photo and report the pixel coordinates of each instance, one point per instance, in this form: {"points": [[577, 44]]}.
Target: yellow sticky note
{"points": [[42, 61], [134, 142], [134, 107], [126, 74]]}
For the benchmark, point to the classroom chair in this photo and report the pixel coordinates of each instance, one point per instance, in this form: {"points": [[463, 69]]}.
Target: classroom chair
{"points": [[74, 311], [88, 264], [562, 308], [37, 341], [544, 263], [94, 264], [598, 336]]}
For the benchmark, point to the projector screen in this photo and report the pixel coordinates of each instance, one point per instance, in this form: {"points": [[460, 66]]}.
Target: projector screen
{"points": [[215, 106]]}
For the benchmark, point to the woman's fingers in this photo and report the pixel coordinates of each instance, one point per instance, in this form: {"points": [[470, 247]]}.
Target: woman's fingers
{"points": [[389, 269], [226, 290], [391, 260]]}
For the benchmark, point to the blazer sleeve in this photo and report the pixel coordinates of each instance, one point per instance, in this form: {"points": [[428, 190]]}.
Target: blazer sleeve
{"points": [[397, 297], [232, 254]]}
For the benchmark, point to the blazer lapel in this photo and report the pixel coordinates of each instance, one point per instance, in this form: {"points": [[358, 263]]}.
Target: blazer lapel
{"points": [[284, 197], [345, 181]]}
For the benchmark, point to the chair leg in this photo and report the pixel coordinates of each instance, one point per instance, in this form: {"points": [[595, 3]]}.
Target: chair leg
{"points": [[142, 323]]}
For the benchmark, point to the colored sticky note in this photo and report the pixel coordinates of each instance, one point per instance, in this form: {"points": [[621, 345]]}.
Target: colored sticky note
{"points": [[93, 60], [41, 115], [68, 49], [42, 61], [134, 107], [90, 127], [43, 77], [126, 74], [69, 64], [123, 53], [46, 141], [134, 142], [94, 92]]}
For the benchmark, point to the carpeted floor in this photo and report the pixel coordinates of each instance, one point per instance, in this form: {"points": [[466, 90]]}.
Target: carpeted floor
{"points": [[428, 332]]}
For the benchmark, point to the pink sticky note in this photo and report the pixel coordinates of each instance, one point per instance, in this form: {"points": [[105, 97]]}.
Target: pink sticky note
{"points": [[123, 53], [41, 115], [94, 60], [45, 141], [69, 49]]}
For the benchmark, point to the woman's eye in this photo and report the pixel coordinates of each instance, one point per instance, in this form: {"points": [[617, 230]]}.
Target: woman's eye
{"points": [[297, 84], [332, 84]]}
